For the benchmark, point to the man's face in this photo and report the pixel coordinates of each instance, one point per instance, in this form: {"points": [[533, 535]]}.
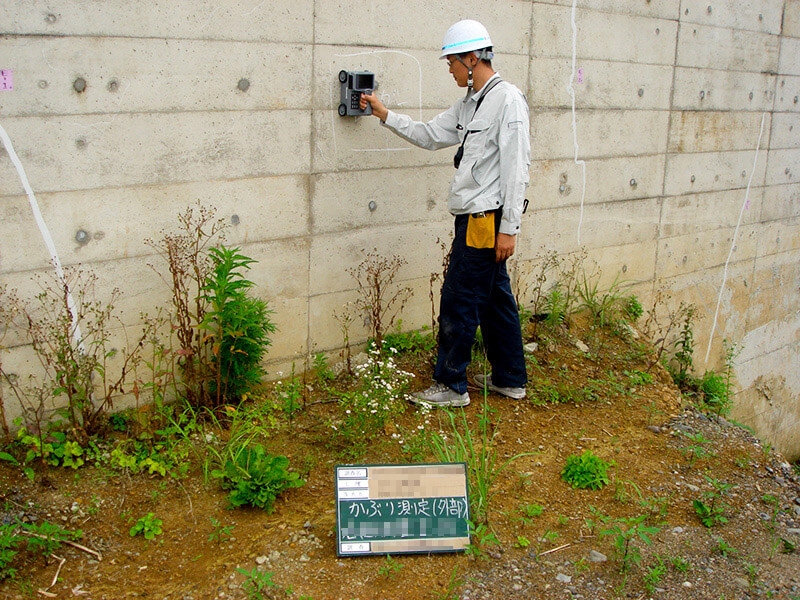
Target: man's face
{"points": [[458, 69]]}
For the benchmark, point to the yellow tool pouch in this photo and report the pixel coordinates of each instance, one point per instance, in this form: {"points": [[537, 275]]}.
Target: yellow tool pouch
{"points": [[480, 230]]}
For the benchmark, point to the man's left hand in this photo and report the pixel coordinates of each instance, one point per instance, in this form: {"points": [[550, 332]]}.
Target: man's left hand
{"points": [[504, 246]]}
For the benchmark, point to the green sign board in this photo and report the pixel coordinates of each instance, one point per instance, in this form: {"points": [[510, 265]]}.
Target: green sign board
{"points": [[396, 509]]}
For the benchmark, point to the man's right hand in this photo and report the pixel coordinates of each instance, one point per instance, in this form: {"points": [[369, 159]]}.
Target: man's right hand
{"points": [[378, 109]]}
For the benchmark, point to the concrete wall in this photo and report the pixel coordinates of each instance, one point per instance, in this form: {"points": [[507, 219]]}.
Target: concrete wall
{"points": [[684, 121]]}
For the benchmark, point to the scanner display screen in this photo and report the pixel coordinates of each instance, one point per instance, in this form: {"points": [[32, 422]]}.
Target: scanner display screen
{"points": [[363, 82]]}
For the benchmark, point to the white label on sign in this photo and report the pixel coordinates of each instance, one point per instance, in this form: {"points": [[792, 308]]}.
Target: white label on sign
{"points": [[353, 483], [353, 494], [359, 547], [352, 473]]}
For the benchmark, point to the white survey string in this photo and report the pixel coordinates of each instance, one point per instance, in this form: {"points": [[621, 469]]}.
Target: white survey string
{"points": [[48, 240], [745, 204], [571, 90]]}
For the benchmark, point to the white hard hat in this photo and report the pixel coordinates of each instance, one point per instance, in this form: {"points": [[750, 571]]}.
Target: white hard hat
{"points": [[466, 36]]}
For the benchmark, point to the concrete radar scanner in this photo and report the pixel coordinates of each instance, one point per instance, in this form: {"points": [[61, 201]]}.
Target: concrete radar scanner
{"points": [[353, 84]]}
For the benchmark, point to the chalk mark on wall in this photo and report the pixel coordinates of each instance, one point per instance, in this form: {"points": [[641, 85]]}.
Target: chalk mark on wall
{"points": [[571, 90], [335, 94], [48, 239], [745, 206]]}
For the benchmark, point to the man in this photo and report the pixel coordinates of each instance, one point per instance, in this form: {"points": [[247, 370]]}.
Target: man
{"points": [[486, 198]]}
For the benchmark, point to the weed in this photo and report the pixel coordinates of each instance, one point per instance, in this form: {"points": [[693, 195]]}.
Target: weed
{"points": [[597, 519], [625, 531], [379, 300], [221, 533], [256, 582], [711, 509], [696, 450], [481, 537], [290, 396], [549, 536], [716, 389], [602, 306], [654, 574], [454, 583], [237, 326], [390, 568], [366, 411], [477, 451], [256, 478], [53, 449], [189, 265], [632, 308], [412, 342], [660, 330], [530, 512], [680, 564], [638, 378], [69, 332], [684, 350], [586, 471], [149, 526], [522, 542], [40, 538], [322, 370]]}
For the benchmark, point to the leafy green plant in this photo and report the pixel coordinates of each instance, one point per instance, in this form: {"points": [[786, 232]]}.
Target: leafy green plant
{"points": [[624, 531], [410, 342], [290, 396], [654, 574], [390, 568], [697, 449], [724, 548], [256, 582], [481, 537], [9, 542], [256, 478], [221, 533], [586, 471], [603, 306], [40, 538], [556, 308], [530, 512], [238, 325], [522, 542], [684, 350], [632, 308], [711, 509], [715, 390], [322, 369], [53, 449], [149, 526]]}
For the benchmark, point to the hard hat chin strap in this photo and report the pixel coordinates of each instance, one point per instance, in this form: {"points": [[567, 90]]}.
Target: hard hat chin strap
{"points": [[470, 81]]}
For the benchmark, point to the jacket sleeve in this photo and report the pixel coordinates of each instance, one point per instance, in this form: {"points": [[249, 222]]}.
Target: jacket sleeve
{"points": [[515, 160], [439, 132]]}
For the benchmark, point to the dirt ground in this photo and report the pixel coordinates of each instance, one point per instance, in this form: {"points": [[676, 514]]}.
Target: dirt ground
{"points": [[646, 429]]}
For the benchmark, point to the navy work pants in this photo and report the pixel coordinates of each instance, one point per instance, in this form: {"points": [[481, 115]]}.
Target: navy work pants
{"points": [[477, 291]]}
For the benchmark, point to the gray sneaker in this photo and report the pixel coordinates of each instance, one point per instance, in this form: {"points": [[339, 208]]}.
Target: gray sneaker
{"points": [[485, 381], [440, 394]]}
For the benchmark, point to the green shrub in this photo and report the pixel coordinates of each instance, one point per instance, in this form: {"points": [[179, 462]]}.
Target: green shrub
{"points": [[238, 324], [586, 471]]}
